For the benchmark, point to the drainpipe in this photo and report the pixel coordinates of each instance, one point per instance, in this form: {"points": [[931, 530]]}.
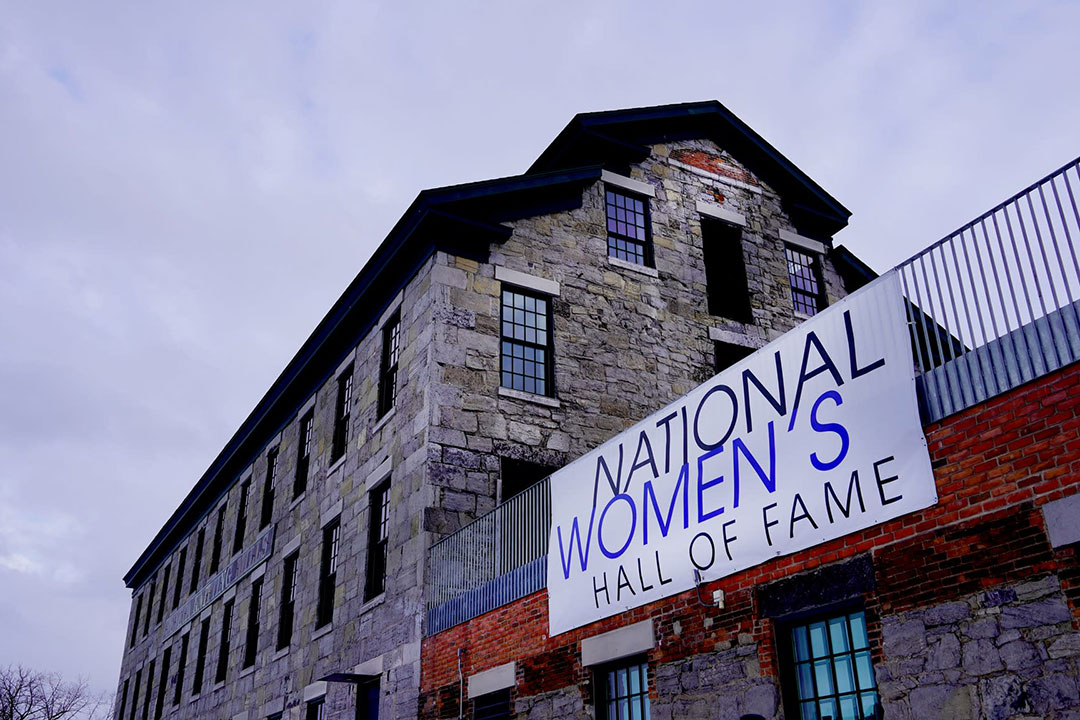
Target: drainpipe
{"points": [[461, 685]]}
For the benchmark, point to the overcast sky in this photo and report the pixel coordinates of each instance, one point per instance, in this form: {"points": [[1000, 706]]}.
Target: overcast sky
{"points": [[186, 187]]}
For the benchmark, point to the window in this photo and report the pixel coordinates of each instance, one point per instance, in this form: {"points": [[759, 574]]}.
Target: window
{"points": [[215, 548], [181, 666], [830, 661], [135, 625], [288, 602], [341, 415], [123, 700], [627, 227], [159, 706], [179, 577], [526, 342], [725, 271], [200, 659], [378, 532], [804, 273], [520, 475], [367, 700], [149, 691], [727, 354], [492, 706], [251, 644], [328, 573], [623, 691], [389, 366], [316, 710], [164, 593], [241, 517], [135, 694], [268, 488], [225, 646], [196, 566], [303, 454], [149, 608]]}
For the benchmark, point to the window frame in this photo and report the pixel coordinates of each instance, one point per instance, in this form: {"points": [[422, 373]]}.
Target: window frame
{"points": [[221, 674], [181, 567], [494, 705], [149, 689], [548, 347], [602, 699], [149, 606], [390, 355], [217, 544], [241, 516], [727, 289], [178, 691], [342, 414], [287, 604], [135, 624], [135, 694], [315, 709], [331, 549], [648, 259], [303, 453], [254, 625], [820, 299], [787, 665], [378, 540], [163, 683], [269, 487], [196, 565], [199, 678]]}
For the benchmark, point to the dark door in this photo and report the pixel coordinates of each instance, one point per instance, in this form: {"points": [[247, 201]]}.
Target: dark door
{"points": [[367, 701]]}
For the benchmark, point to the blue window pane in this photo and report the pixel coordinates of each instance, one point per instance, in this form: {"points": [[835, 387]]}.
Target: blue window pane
{"points": [[635, 681], [858, 630], [828, 709], [818, 643], [806, 681], [838, 634], [809, 711], [869, 703], [823, 673], [865, 669], [849, 708], [845, 677], [802, 644]]}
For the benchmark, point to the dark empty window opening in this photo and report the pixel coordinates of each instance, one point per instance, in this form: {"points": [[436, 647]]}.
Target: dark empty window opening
{"points": [[378, 535], [196, 566], [520, 475], [725, 271], [316, 710], [251, 645], [241, 517], [328, 573], [149, 691], [492, 706], [526, 342], [288, 602], [269, 487], [149, 609], [164, 593], [178, 588], [225, 646], [163, 682], [215, 546], [123, 700], [200, 657], [367, 700], [341, 415], [628, 227], [135, 624], [804, 273], [303, 454], [178, 691], [388, 368], [727, 354], [135, 694]]}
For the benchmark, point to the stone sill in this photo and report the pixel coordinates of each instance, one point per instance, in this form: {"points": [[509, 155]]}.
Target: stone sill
{"points": [[383, 420], [530, 397], [218, 686], [280, 654], [336, 466], [373, 603], [642, 269], [297, 501], [246, 671], [324, 630]]}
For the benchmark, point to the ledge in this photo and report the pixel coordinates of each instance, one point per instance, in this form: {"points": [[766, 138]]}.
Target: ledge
{"points": [[634, 267], [337, 465], [280, 653], [372, 603], [324, 630], [296, 501], [383, 420], [246, 671], [530, 397]]}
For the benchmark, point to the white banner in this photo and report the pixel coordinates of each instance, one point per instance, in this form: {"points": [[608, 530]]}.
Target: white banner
{"points": [[812, 437]]}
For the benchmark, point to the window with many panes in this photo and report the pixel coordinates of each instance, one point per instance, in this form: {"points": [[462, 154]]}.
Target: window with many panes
{"points": [[123, 700], [288, 602], [804, 274], [241, 517], [149, 691], [492, 706], [164, 592], [526, 342], [378, 534], [135, 694], [341, 415], [163, 683], [178, 588], [200, 658], [226, 645], [829, 673], [328, 573], [196, 566], [178, 689], [149, 607], [135, 624], [623, 691], [251, 644], [628, 227], [388, 368], [269, 487], [215, 546], [303, 454]]}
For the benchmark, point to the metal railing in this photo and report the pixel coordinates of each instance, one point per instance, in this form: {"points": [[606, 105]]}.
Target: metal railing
{"points": [[995, 304], [496, 559]]}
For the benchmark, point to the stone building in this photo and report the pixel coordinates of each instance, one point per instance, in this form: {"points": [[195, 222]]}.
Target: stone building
{"points": [[502, 329]]}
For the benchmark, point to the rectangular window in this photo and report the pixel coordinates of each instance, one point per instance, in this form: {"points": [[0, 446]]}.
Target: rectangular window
{"points": [[303, 454], [163, 682], [164, 593], [215, 548], [389, 366], [526, 342], [367, 700], [496, 706], [178, 691], [288, 602], [135, 625], [828, 669], [241, 517], [268, 488], [178, 589], [341, 415], [149, 608], [725, 271], [149, 691], [316, 710], [328, 573], [727, 354], [804, 274], [623, 691], [251, 644], [378, 533], [520, 475], [135, 694], [225, 646], [200, 658], [196, 566], [123, 700], [628, 227]]}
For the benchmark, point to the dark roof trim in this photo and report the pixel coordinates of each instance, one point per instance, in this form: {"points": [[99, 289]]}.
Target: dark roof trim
{"points": [[455, 219], [616, 137]]}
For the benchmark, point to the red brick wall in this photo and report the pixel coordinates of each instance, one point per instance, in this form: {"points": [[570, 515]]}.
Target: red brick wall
{"points": [[995, 464]]}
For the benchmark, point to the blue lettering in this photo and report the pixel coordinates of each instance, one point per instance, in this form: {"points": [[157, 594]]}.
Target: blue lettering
{"points": [[837, 428]]}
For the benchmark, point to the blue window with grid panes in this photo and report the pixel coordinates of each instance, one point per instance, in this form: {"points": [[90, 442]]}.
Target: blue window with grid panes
{"points": [[624, 692], [526, 342], [834, 677], [627, 227]]}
